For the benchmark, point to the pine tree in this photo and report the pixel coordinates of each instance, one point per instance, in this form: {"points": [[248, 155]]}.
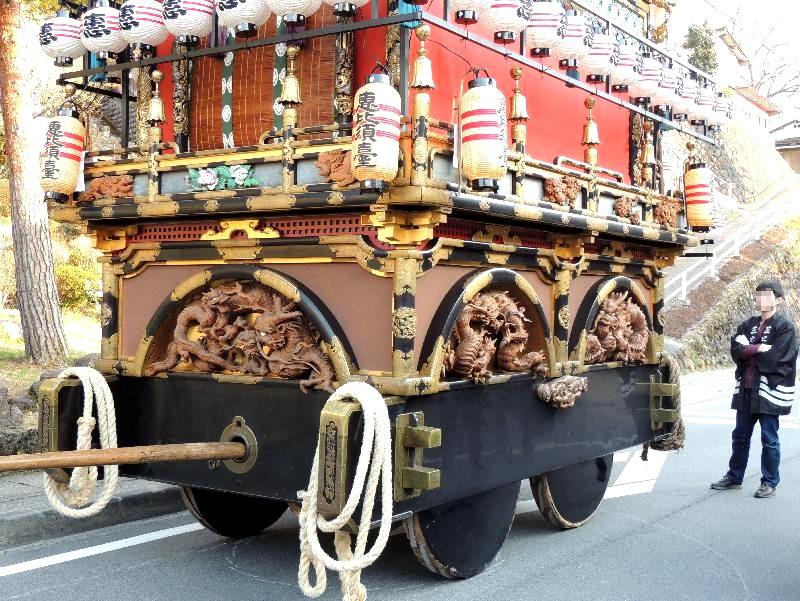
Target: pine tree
{"points": [[700, 41]]}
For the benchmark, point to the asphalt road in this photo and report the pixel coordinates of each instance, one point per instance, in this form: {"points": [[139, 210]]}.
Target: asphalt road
{"points": [[661, 534]]}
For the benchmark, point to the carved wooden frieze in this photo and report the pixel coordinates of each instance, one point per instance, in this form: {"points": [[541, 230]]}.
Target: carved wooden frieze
{"points": [[619, 332], [563, 190], [492, 334], [108, 186], [335, 166], [246, 328], [562, 392], [666, 212]]}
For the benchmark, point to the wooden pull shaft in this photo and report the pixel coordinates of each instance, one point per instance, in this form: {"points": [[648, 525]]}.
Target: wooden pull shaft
{"points": [[192, 451]]}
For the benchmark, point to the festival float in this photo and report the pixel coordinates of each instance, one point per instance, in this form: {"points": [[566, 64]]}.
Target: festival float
{"points": [[404, 253]]}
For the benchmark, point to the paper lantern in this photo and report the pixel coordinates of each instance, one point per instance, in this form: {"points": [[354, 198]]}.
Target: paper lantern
{"points": [[468, 12], [574, 31], [189, 20], [721, 113], [646, 86], [60, 38], [141, 23], [505, 20], [100, 30], [686, 102], [544, 22], [376, 133], [294, 12], [346, 9], [697, 188], [706, 100], [624, 72], [598, 60], [666, 93], [244, 17], [484, 148], [62, 154]]}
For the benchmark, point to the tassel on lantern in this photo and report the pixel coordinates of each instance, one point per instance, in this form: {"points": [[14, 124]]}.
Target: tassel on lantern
{"points": [[423, 69], [519, 111], [63, 151], [591, 135], [376, 133], [697, 180], [484, 151]]}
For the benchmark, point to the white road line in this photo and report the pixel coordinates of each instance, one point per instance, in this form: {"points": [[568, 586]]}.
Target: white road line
{"points": [[638, 477], [35, 564]]}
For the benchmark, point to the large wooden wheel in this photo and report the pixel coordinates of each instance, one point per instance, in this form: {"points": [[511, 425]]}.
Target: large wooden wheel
{"points": [[459, 539], [229, 514], [567, 497]]}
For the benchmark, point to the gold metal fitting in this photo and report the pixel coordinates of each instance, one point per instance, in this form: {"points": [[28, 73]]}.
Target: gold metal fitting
{"points": [[519, 104], [423, 69], [157, 115], [291, 85], [591, 135]]}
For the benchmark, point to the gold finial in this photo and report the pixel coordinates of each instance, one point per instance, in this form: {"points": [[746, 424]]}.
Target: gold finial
{"points": [[591, 134], [156, 116], [69, 90], [423, 69], [519, 104], [291, 85]]}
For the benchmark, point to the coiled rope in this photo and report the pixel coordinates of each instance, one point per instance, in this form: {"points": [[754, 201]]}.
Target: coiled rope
{"points": [[72, 500], [375, 455]]}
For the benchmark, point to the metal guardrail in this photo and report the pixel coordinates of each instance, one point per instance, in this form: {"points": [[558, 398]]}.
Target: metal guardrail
{"points": [[678, 287]]}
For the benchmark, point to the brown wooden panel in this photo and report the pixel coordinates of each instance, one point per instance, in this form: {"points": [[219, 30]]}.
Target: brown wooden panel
{"points": [[252, 90], [205, 114]]}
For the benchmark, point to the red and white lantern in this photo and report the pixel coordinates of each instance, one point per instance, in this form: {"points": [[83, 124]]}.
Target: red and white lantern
{"points": [[721, 113], [624, 72], [484, 146], [505, 20], [686, 104], [598, 61], [294, 12], [649, 78], [60, 38], [375, 148], [141, 23], [543, 24], [243, 17], [573, 47], [346, 9], [189, 20], [62, 154], [469, 12], [706, 100], [667, 88], [100, 30], [697, 188]]}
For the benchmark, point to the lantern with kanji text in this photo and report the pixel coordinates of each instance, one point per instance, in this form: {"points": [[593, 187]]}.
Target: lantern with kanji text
{"points": [[100, 30], [60, 38], [141, 23], [62, 154]]}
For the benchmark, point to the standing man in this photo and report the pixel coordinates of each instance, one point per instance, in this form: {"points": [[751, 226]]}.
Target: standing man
{"points": [[765, 351]]}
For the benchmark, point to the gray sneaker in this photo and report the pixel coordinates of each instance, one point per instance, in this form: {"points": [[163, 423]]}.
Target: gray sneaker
{"points": [[765, 491], [727, 483]]}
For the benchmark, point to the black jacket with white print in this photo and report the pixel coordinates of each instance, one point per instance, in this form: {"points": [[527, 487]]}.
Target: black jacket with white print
{"points": [[775, 370]]}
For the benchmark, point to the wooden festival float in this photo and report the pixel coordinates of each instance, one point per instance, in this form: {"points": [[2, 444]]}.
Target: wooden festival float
{"points": [[360, 194]]}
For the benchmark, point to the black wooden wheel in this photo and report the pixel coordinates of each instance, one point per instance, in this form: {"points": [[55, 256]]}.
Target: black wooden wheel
{"points": [[567, 497], [459, 539], [229, 514]]}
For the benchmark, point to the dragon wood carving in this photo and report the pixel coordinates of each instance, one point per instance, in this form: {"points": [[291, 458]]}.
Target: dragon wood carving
{"points": [[491, 331], [562, 190], [247, 329], [108, 186], [619, 333]]}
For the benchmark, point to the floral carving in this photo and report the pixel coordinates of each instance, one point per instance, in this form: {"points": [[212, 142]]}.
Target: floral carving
{"points": [[492, 332], [246, 328], [222, 178], [562, 190], [619, 332]]}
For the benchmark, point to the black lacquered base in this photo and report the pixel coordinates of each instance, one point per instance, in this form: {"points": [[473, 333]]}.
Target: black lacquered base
{"points": [[56, 197], [505, 37], [466, 17], [567, 497], [374, 185], [63, 61], [344, 9], [229, 514], [484, 185], [460, 539], [295, 22], [619, 88], [540, 52], [596, 79], [246, 30]]}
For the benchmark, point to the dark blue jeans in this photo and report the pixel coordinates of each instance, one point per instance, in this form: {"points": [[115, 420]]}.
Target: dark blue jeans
{"points": [[770, 446]]}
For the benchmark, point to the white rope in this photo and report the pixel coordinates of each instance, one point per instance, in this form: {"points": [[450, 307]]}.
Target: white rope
{"points": [[376, 454], [72, 500]]}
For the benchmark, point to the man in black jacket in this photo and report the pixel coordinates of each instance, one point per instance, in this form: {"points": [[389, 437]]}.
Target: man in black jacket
{"points": [[765, 351]]}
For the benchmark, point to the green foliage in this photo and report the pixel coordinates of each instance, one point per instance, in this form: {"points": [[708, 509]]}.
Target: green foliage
{"points": [[76, 286], [700, 41]]}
